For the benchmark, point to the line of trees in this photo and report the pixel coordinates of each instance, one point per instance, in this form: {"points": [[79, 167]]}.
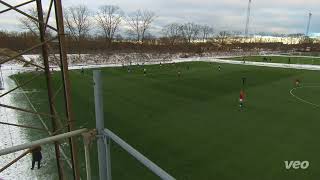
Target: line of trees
{"points": [[80, 23], [188, 32], [106, 22], [109, 26]]}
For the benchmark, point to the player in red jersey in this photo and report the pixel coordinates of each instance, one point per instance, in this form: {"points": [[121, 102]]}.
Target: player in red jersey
{"points": [[241, 99]]}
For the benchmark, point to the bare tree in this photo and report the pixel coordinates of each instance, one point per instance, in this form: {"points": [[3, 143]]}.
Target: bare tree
{"points": [[190, 31], [77, 22], [30, 24], [173, 32], [223, 36], [205, 32], [139, 23], [109, 19]]}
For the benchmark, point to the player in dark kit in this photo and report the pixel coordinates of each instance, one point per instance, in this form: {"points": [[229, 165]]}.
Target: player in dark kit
{"points": [[244, 80], [144, 71], [36, 157]]}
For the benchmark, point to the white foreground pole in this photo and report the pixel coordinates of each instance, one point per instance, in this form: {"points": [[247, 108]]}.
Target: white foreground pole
{"points": [[104, 170], [107, 142], [141, 158], [41, 142], [87, 138], [87, 157]]}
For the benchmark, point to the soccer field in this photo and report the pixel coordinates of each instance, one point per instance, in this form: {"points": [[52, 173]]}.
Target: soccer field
{"points": [[281, 59], [191, 125]]}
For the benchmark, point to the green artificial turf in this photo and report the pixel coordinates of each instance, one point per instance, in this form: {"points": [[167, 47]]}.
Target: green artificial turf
{"points": [[192, 127], [280, 59]]}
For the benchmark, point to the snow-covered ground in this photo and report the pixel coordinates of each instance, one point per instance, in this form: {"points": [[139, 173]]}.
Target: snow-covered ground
{"points": [[92, 64], [11, 136], [126, 58]]}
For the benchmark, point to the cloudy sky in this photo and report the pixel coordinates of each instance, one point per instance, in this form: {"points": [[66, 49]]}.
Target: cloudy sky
{"points": [[278, 16]]}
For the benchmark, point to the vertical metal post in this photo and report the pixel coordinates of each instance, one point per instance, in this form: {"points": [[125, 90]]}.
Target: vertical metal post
{"points": [[104, 171], [107, 142], [86, 143], [87, 157], [66, 86], [45, 56]]}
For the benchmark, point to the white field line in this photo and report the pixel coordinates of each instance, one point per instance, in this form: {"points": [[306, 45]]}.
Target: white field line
{"points": [[276, 65], [302, 100], [43, 123], [311, 57]]}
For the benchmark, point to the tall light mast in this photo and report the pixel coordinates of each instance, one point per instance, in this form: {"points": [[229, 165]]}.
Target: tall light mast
{"points": [[246, 32], [309, 21]]}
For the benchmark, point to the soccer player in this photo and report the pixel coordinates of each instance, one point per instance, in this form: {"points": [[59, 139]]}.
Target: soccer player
{"points": [[264, 59], [241, 99], [36, 156], [244, 79], [219, 68], [144, 71], [179, 73], [297, 83]]}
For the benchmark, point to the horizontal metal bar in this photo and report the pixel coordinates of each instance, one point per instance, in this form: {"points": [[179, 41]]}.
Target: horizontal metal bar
{"points": [[19, 5], [27, 15], [41, 142], [27, 111], [23, 126], [141, 158]]}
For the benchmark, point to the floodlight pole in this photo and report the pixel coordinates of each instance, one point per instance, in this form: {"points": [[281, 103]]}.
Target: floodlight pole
{"points": [[308, 25], [246, 31], [103, 148]]}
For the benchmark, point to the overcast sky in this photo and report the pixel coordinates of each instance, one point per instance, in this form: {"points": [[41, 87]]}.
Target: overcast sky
{"points": [[278, 16]]}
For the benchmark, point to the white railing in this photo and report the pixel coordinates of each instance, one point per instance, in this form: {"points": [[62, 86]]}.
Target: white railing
{"points": [[41, 142], [140, 157]]}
